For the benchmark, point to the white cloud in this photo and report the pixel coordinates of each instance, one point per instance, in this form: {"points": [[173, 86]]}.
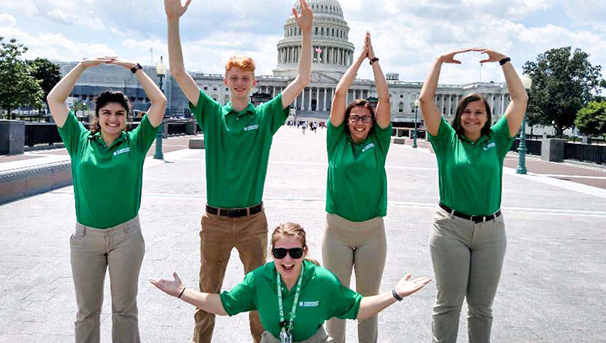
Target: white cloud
{"points": [[26, 7], [7, 20], [68, 15]]}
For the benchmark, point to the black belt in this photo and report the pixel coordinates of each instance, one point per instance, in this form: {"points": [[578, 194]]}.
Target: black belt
{"points": [[475, 219], [234, 212]]}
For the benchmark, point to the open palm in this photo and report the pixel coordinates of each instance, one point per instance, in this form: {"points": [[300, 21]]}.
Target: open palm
{"points": [[405, 287], [174, 8], [305, 19], [173, 287]]}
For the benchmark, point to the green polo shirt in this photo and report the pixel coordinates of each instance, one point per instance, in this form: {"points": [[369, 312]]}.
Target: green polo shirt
{"points": [[356, 187], [237, 148], [471, 173], [107, 180], [322, 297]]}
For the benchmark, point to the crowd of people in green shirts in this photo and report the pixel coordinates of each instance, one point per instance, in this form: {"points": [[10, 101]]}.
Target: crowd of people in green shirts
{"points": [[291, 297]]}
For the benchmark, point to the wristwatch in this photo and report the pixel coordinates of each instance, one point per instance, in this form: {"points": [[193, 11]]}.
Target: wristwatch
{"points": [[135, 68], [505, 60], [373, 60]]}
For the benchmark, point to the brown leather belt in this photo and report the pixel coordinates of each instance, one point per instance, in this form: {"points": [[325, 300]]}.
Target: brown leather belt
{"points": [[234, 212], [475, 219]]}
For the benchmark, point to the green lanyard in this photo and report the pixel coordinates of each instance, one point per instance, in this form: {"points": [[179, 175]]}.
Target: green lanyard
{"points": [[286, 332]]}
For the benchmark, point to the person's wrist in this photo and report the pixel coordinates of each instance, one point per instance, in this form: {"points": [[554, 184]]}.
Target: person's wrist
{"points": [[181, 292], [396, 296], [504, 60]]}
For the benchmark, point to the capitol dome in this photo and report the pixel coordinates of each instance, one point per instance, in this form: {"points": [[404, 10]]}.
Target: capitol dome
{"points": [[332, 51]]}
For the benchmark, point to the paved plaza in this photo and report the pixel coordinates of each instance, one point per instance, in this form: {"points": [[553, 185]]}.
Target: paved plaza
{"points": [[553, 287]]}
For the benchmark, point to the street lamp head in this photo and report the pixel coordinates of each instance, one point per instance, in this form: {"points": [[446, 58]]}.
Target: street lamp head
{"points": [[160, 68], [526, 81], [417, 102]]}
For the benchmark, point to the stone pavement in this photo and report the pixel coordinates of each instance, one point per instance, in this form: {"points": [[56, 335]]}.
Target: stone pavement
{"points": [[552, 288]]}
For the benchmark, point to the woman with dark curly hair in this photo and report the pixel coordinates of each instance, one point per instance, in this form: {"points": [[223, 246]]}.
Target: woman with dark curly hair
{"points": [[107, 169], [468, 239]]}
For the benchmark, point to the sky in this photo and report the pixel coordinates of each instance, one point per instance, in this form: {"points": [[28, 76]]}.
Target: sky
{"points": [[407, 35]]}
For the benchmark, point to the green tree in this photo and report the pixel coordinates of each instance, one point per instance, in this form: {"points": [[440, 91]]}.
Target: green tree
{"points": [[47, 73], [563, 82], [18, 87], [591, 120]]}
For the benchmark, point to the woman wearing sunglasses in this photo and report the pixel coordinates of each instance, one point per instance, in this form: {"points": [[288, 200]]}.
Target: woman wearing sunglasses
{"points": [[356, 199], [294, 296]]}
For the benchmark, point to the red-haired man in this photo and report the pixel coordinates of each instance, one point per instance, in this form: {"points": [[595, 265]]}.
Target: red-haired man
{"points": [[237, 139]]}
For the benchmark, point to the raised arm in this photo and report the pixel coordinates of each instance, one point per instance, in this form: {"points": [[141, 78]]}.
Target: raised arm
{"points": [[208, 302], [371, 306], [155, 95], [519, 99], [384, 105], [431, 113], [174, 11], [56, 98], [339, 101], [298, 85]]}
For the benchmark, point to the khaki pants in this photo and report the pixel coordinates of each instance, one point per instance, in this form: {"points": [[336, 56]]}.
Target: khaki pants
{"points": [[319, 337], [363, 246], [467, 260], [121, 248], [219, 235]]}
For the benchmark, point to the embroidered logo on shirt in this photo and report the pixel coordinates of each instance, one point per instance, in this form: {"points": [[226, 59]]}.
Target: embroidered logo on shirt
{"points": [[491, 145], [251, 127], [309, 303], [121, 151], [369, 146]]}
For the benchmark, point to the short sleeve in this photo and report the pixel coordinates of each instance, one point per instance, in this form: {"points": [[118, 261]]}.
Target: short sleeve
{"points": [[274, 112], [445, 133], [345, 303], [334, 134], [383, 138], [240, 298], [502, 136], [72, 132], [143, 136], [206, 106]]}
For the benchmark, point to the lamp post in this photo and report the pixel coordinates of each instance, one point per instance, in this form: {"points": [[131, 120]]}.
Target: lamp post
{"points": [[414, 134], [161, 72], [521, 169]]}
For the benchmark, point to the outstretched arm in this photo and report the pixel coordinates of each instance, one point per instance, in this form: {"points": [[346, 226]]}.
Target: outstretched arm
{"points": [[371, 306], [210, 303], [384, 105], [296, 87], [155, 95], [431, 113], [174, 11], [519, 99], [339, 101], [56, 98]]}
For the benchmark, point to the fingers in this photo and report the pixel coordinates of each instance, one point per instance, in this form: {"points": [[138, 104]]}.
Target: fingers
{"points": [[176, 277], [295, 13], [407, 277], [187, 3], [304, 5], [486, 60]]}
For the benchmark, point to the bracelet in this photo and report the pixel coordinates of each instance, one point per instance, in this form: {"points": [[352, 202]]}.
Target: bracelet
{"points": [[375, 59], [135, 68], [505, 60], [180, 294], [396, 295]]}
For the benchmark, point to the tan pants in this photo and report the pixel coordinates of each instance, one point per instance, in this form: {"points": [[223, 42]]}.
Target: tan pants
{"points": [[319, 337], [363, 246], [121, 248], [467, 261], [219, 235]]}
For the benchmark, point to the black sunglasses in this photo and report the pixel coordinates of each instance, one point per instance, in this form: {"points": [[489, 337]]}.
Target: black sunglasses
{"points": [[280, 253]]}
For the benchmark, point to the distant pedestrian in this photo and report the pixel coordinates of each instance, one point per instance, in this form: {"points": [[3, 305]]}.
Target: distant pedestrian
{"points": [[468, 239], [304, 126], [357, 143], [107, 168]]}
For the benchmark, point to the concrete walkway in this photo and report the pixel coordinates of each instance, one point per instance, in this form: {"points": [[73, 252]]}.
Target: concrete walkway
{"points": [[552, 288]]}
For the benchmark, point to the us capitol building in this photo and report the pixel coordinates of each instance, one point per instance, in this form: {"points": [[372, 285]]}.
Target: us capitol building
{"points": [[332, 55]]}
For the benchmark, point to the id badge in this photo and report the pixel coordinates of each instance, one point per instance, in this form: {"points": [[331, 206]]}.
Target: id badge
{"points": [[285, 337]]}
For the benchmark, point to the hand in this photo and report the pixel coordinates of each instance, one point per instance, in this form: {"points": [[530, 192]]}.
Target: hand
{"points": [[364, 50], [306, 18], [493, 56], [93, 62], [371, 51], [174, 9], [405, 288], [122, 63], [173, 288], [449, 57]]}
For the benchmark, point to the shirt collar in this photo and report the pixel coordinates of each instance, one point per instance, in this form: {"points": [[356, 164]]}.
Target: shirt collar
{"points": [[480, 140], [97, 137], [228, 109], [310, 271]]}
